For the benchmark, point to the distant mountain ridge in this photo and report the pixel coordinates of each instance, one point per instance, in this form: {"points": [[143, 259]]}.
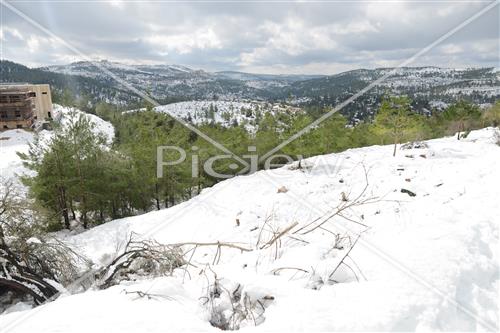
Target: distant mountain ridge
{"points": [[427, 86]]}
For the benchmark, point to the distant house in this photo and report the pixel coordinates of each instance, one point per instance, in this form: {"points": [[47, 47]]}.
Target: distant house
{"points": [[22, 105]]}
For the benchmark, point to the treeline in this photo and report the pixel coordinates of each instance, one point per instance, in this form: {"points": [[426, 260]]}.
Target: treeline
{"points": [[79, 177]]}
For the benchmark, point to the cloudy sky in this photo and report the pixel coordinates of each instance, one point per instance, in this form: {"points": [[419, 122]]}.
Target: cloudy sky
{"points": [[267, 37]]}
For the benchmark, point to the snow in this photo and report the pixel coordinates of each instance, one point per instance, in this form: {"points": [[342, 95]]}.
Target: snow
{"points": [[11, 142], [63, 115], [198, 112], [428, 262], [225, 112]]}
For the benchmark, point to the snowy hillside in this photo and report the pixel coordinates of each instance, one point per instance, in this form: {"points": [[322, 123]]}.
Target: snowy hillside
{"points": [[89, 69], [63, 114], [280, 249], [421, 84], [226, 113]]}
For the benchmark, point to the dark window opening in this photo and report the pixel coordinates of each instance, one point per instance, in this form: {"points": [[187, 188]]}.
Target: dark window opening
{"points": [[49, 114], [44, 93], [19, 126]]}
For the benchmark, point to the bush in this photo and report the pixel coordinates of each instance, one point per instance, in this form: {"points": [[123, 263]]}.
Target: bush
{"points": [[491, 117]]}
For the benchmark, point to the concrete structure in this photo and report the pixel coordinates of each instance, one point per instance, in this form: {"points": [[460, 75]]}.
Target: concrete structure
{"points": [[22, 105]]}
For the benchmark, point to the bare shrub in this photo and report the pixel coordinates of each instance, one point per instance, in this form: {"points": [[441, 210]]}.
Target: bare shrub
{"points": [[231, 307], [139, 259], [30, 260]]}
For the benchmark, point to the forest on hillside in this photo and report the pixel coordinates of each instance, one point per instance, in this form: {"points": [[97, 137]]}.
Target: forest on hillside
{"points": [[78, 172]]}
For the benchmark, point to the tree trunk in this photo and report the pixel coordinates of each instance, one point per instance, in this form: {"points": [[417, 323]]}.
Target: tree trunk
{"points": [[84, 220], [30, 286], [157, 196], [395, 146], [64, 206], [72, 210], [460, 129], [113, 209], [18, 277]]}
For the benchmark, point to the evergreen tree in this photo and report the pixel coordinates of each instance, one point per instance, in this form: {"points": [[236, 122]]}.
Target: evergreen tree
{"points": [[395, 119], [67, 169]]}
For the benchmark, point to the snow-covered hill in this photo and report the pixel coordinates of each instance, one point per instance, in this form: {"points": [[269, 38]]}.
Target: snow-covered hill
{"points": [[226, 113], [427, 257], [421, 84], [64, 114], [88, 69]]}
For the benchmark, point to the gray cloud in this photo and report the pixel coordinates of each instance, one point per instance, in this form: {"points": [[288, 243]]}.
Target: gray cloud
{"points": [[273, 37]]}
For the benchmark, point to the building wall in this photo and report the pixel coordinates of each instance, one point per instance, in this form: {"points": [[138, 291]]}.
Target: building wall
{"points": [[12, 124], [43, 101], [41, 109]]}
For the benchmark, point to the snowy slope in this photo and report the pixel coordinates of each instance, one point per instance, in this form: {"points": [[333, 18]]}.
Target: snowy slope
{"points": [[427, 262], [11, 142], [63, 115], [225, 113]]}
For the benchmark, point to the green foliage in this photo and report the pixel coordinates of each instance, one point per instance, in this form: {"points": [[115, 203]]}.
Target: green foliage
{"points": [[74, 171], [395, 121], [462, 116], [491, 117]]}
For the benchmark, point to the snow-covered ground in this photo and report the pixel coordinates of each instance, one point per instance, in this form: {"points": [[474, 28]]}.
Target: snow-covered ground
{"points": [[426, 262], [11, 142], [63, 115]]}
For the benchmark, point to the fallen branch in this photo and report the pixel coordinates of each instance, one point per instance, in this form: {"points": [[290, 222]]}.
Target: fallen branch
{"points": [[218, 244], [343, 258], [143, 294], [275, 238], [276, 270]]}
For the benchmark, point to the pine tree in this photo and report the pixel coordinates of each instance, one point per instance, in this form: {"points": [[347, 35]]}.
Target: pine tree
{"points": [[67, 169], [395, 119]]}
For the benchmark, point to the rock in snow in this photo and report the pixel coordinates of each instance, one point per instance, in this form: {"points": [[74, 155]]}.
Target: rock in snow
{"points": [[428, 262]]}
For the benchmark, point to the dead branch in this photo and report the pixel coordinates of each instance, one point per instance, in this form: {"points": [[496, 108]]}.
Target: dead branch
{"points": [[218, 244], [343, 206], [141, 258], [149, 296], [276, 270], [343, 258], [279, 235]]}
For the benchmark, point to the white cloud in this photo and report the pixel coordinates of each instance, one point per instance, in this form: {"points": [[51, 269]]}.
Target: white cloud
{"points": [[33, 44], [452, 49], [13, 32], [202, 38], [117, 4], [279, 37]]}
